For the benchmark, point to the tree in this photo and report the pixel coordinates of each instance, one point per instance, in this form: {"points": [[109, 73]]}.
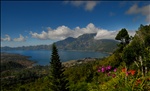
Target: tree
{"points": [[123, 36], [57, 77]]}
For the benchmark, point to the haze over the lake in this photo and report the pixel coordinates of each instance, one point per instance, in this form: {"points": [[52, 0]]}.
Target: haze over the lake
{"points": [[25, 23]]}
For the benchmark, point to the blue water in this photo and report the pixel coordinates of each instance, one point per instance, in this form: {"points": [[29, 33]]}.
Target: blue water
{"points": [[42, 57]]}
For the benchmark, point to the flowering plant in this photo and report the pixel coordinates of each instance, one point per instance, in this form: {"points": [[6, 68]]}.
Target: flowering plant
{"points": [[116, 79], [107, 70]]}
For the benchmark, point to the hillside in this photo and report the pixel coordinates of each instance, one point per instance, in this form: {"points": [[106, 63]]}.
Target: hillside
{"points": [[88, 43], [16, 60], [85, 42]]}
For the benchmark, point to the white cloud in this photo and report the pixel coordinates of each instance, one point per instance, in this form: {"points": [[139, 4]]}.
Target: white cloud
{"points": [[7, 38], [131, 33], [88, 5], [62, 32], [105, 34], [58, 34], [145, 10], [20, 39]]}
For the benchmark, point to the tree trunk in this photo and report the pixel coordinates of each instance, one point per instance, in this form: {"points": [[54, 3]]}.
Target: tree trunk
{"points": [[145, 71], [140, 59]]}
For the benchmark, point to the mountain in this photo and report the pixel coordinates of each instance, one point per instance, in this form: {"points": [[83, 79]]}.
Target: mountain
{"points": [[84, 42], [88, 43]]}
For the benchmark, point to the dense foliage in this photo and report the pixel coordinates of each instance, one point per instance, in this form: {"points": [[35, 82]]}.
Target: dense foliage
{"points": [[10, 65]]}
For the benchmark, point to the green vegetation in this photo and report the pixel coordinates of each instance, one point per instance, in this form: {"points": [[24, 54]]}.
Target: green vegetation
{"points": [[127, 69], [10, 65]]}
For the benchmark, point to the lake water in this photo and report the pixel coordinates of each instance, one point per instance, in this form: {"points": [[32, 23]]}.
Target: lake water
{"points": [[42, 57]]}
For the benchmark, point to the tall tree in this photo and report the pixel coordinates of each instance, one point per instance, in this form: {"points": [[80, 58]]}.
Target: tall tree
{"points": [[123, 36], [58, 80]]}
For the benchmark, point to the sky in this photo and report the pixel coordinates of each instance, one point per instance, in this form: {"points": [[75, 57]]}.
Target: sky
{"points": [[27, 23]]}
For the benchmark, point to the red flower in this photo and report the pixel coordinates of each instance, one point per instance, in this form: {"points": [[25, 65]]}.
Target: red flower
{"points": [[138, 82], [132, 72], [123, 70], [113, 75]]}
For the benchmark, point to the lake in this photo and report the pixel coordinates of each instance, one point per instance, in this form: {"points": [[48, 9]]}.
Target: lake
{"points": [[42, 57]]}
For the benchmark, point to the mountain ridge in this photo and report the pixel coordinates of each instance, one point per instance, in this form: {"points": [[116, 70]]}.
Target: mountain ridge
{"points": [[85, 42]]}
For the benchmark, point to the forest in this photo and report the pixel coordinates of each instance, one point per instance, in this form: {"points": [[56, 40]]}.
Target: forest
{"points": [[126, 69]]}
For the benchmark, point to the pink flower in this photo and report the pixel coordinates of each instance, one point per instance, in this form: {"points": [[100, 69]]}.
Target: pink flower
{"points": [[115, 69], [99, 70], [103, 69], [108, 67]]}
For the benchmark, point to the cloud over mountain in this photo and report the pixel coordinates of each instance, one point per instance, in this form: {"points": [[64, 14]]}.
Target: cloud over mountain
{"points": [[105, 34], [62, 32]]}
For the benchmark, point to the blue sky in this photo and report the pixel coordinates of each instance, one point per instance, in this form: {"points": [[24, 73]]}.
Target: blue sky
{"points": [[25, 23]]}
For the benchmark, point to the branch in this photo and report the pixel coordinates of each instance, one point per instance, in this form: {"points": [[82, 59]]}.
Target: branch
{"points": [[136, 63]]}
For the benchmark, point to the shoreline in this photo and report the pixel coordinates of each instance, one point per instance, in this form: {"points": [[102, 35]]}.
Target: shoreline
{"points": [[18, 58], [79, 61], [61, 50], [67, 63]]}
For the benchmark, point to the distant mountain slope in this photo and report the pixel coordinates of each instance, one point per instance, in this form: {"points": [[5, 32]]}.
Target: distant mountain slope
{"points": [[88, 43], [84, 42]]}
